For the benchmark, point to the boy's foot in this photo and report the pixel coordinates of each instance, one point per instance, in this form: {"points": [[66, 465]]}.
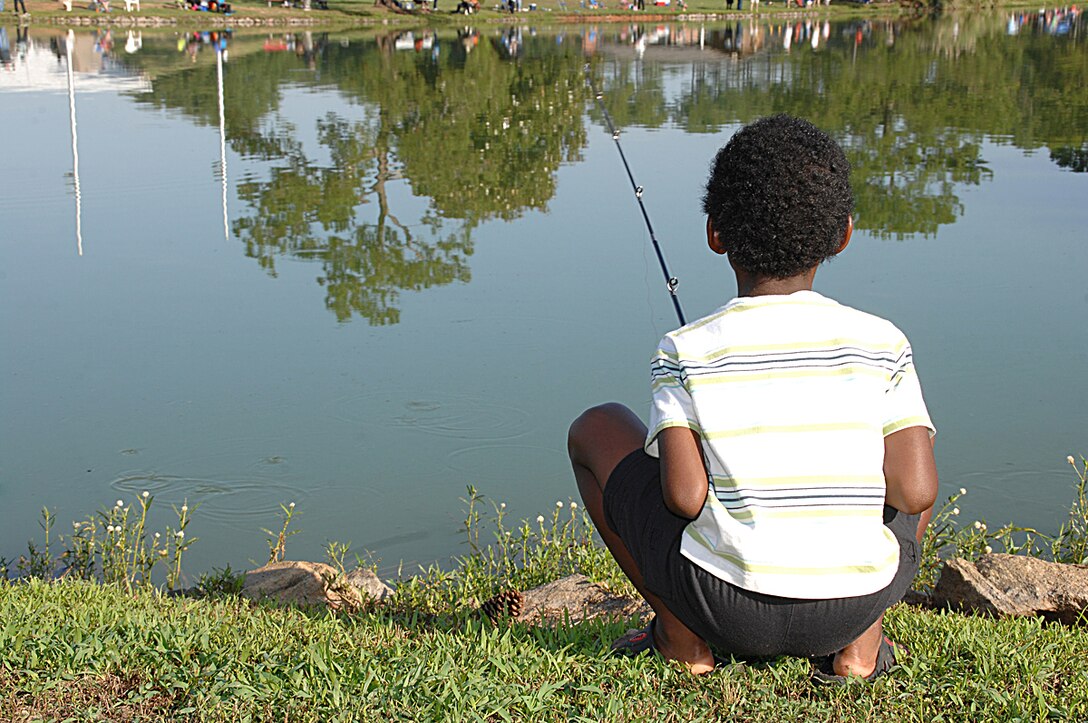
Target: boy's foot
{"points": [[886, 660], [639, 642]]}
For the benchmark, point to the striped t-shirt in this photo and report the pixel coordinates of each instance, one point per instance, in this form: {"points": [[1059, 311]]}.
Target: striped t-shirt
{"points": [[792, 397]]}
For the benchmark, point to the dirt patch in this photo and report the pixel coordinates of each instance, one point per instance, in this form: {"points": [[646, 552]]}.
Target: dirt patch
{"points": [[108, 697]]}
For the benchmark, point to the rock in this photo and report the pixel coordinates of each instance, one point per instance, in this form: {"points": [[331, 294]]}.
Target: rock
{"points": [[306, 583], [369, 585], [577, 598], [1014, 585], [291, 583]]}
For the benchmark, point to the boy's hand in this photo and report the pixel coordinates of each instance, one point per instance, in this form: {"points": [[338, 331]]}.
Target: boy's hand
{"points": [[909, 470], [683, 475]]}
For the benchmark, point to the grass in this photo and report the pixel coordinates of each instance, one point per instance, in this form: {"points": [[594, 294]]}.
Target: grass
{"points": [[90, 651], [79, 649]]}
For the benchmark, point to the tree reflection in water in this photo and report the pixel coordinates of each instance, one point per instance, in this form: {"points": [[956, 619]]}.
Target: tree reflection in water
{"points": [[479, 136], [478, 123]]}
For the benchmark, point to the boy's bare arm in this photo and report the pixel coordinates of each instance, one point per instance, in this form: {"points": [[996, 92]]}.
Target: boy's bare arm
{"points": [[909, 470], [683, 476]]}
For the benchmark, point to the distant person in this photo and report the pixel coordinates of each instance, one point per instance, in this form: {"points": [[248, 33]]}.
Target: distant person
{"points": [[775, 503], [15, 6]]}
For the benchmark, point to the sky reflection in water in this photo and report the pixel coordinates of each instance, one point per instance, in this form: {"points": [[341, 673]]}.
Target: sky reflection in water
{"points": [[423, 258]]}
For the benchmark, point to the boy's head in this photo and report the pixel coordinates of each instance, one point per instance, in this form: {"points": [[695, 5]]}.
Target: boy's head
{"points": [[779, 197]]}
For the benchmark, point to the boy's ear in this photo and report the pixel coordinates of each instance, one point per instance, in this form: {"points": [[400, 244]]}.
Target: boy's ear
{"points": [[713, 240], [846, 236]]}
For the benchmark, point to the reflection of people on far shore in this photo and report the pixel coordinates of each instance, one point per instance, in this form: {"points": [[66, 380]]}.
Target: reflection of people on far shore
{"points": [[134, 42], [470, 38], [103, 42], [191, 43], [22, 42], [5, 50]]}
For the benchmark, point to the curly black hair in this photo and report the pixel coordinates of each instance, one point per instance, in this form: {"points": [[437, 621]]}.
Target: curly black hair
{"points": [[779, 196]]}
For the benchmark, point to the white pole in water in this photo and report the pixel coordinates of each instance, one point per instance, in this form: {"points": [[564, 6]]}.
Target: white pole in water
{"points": [[222, 138], [69, 42]]}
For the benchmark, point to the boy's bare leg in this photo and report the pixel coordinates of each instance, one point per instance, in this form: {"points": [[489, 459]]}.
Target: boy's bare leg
{"points": [[859, 657], [598, 440]]}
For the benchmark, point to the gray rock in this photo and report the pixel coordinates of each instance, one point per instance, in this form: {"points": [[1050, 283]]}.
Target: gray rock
{"points": [[369, 585], [1014, 585], [577, 598], [307, 583]]}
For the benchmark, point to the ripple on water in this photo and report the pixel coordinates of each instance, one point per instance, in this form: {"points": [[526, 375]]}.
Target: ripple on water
{"points": [[445, 415], [493, 464], [220, 500]]}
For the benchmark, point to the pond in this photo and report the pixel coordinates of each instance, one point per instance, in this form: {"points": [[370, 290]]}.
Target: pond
{"points": [[360, 272]]}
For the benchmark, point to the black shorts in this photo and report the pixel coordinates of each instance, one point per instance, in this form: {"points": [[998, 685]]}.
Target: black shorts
{"points": [[732, 619]]}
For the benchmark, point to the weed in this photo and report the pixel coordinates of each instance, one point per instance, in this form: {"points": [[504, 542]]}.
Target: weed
{"points": [[39, 562], [367, 560], [176, 545], [342, 596], [113, 546], [517, 557], [1071, 543], [221, 582], [948, 537], [277, 541]]}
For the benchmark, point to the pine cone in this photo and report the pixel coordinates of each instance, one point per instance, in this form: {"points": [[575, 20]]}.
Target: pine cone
{"points": [[507, 604]]}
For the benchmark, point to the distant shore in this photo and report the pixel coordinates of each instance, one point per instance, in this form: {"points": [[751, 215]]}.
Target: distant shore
{"points": [[364, 13]]}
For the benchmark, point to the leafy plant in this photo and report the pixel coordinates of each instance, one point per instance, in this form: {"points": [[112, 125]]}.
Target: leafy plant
{"points": [[948, 537], [39, 562], [277, 541], [338, 591], [221, 582], [517, 557], [113, 545], [1071, 543]]}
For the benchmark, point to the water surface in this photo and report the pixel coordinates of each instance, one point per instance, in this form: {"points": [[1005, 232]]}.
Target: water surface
{"points": [[396, 265]]}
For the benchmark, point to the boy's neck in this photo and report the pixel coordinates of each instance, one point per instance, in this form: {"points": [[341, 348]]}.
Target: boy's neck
{"points": [[749, 284]]}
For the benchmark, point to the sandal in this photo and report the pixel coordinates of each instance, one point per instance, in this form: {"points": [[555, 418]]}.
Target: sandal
{"points": [[824, 674], [638, 642], [635, 642]]}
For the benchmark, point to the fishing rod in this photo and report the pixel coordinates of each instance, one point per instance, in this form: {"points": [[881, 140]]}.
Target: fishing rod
{"points": [[671, 282]]}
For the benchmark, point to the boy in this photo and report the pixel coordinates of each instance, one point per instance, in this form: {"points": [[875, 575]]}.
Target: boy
{"points": [[776, 503]]}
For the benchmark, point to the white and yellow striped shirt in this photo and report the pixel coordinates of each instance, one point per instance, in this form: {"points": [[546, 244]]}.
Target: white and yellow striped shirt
{"points": [[792, 397]]}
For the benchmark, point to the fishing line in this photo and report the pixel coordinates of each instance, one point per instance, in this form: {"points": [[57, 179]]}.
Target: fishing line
{"points": [[671, 282]]}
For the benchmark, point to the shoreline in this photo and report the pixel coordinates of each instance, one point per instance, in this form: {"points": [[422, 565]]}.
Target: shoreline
{"points": [[454, 645], [365, 15]]}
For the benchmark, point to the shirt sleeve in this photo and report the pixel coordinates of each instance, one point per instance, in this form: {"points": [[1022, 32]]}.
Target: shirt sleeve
{"points": [[904, 406], [671, 405]]}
